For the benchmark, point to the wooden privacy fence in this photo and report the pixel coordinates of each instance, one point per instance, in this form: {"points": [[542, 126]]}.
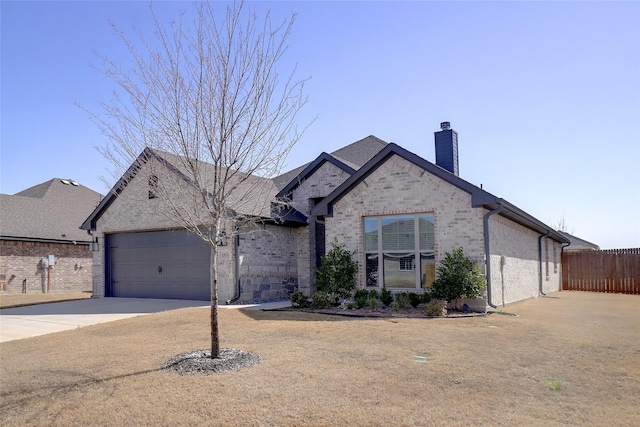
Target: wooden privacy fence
{"points": [[612, 270]]}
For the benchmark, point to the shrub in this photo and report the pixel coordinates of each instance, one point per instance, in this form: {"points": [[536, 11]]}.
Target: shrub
{"points": [[361, 297], [436, 308], [372, 302], [337, 275], [402, 299], [299, 300], [458, 277], [386, 297], [373, 293], [426, 297], [322, 299], [352, 305], [414, 299]]}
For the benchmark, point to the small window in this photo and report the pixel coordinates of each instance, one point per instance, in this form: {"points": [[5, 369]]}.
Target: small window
{"points": [[153, 186], [406, 263]]}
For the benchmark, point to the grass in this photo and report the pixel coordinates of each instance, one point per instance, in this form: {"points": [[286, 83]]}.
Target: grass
{"points": [[329, 370], [17, 300], [555, 385]]}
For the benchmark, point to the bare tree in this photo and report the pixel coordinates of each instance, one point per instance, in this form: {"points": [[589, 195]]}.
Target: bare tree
{"points": [[206, 106], [561, 225]]}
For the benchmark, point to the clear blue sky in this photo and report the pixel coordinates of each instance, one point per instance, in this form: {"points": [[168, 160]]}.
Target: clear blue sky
{"points": [[545, 96]]}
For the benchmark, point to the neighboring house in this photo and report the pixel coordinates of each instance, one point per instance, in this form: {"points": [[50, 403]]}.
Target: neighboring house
{"points": [[399, 212], [578, 244], [42, 224]]}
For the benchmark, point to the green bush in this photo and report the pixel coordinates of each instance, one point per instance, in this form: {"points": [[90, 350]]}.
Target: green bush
{"points": [[386, 297], [414, 299], [436, 308], [402, 299], [372, 302], [299, 300], [373, 293], [322, 299], [458, 277], [426, 297], [337, 275], [361, 297]]}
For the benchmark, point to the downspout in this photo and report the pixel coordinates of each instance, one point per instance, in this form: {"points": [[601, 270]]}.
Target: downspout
{"points": [[487, 250], [564, 245], [236, 264], [542, 236]]}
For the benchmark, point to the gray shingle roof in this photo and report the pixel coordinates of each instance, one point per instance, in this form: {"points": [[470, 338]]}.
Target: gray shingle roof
{"points": [[354, 155], [479, 197], [578, 244], [50, 211]]}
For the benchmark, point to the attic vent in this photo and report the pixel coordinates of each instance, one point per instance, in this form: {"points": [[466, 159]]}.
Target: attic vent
{"points": [[65, 181], [75, 184]]}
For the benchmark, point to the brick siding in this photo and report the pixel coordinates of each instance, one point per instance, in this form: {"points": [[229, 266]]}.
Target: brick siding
{"points": [[399, 187], [319, 185], [268, 268], [20, 261]]}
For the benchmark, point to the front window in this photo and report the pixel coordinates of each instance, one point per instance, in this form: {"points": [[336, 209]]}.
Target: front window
{"points": [[400, 250]]}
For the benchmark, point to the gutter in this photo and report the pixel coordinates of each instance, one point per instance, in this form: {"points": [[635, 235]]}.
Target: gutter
{"points": [[487, 250], [542, 236], [236, 264]]}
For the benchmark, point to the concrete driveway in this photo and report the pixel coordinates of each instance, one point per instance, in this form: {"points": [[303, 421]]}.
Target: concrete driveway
{"points": [[41, 319]]}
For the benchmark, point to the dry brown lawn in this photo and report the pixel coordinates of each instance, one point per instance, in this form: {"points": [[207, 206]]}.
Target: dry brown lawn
{"points": [[329, 370], [17, 300]]}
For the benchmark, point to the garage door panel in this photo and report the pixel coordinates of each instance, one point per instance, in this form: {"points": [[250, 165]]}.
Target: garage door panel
{"points": [[161, 264]]}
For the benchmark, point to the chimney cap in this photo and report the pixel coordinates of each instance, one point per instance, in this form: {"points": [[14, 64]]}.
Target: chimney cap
{"points": [[445, 125]]}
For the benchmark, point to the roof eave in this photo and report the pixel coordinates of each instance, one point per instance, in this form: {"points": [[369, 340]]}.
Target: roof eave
{"points": [[517, 215]]}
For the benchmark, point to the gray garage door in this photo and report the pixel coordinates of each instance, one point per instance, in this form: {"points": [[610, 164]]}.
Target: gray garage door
{"points": [[159, 264]]}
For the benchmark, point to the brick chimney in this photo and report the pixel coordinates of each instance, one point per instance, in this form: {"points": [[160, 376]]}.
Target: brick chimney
{"points": [[447, 148]]}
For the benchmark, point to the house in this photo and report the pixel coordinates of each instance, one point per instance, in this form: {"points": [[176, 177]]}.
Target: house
{"points": [[399, 212], [42, 248], [578, 244]]}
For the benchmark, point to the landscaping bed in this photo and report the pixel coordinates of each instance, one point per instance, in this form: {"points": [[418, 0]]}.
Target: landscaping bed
{"points": [[384, 312]]}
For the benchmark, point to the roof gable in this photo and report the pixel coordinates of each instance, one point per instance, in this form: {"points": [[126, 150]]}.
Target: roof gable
{"points": [[479, 197], [175, 164], [354, 156], [310, 170]]}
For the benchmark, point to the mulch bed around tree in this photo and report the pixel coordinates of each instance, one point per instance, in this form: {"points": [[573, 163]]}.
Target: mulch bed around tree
{"points": [[199, 362]]}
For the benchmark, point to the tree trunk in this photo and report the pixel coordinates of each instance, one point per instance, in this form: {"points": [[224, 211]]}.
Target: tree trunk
{"points": [[213, 273]]}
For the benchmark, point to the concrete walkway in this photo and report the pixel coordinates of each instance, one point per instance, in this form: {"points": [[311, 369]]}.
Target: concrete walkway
{"points": [[41, 319]]}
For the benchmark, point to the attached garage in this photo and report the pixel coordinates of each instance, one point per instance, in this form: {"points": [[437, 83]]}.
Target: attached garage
{"points": [[158, 264]]}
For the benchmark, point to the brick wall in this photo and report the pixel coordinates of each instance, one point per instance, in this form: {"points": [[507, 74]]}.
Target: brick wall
{"points": [[268, 269], [515, 262], [268, 266], [21, 261], [399, 187], [319, 185]]}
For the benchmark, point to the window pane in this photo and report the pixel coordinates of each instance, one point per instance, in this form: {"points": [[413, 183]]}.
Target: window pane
{"points": [[372, 269], [427, 269], [398, 233], [426, 230], [395, 274], [371, 234]]}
